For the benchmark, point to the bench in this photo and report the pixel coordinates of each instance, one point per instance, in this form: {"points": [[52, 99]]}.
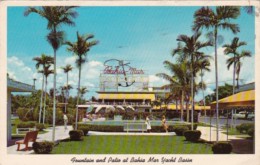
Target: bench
{"points": [[24, 130], [29, 137], [135, 126]]}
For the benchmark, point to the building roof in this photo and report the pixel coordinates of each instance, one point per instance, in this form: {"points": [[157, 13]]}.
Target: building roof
{"points": [[16, 86], [245, 98], [126, 96]]}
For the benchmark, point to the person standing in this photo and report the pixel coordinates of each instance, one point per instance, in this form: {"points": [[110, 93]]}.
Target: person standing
{"points": [[148, 124], [65, 118], [165, 126]]}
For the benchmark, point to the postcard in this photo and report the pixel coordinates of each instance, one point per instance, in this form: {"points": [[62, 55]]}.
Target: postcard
{"points": [[129, 82]]}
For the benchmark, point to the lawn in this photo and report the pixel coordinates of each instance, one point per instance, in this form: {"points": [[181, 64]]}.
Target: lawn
{"points": [[232, 131], [132, 145]]}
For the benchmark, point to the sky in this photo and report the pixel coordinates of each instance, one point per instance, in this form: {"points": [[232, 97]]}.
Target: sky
{"points": [[143, 36]]}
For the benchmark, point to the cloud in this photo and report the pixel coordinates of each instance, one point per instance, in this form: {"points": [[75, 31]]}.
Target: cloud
{"points": [[18, 71]]}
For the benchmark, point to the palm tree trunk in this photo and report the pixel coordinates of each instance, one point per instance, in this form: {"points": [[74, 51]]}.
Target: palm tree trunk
{"points": [[66, 97], [192, 94], [182, 102], [203, 94], [216, 72], [54, 96], [40, 113], [76, 122], [44, 109]]}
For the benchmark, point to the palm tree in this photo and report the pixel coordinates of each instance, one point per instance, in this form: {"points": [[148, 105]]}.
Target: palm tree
{"points": [[207, 18], [203, 65], [179, 81], [56, 17], [80, 48], [43, 61], [191, 48], [236, 60], [82, 91], [47, 71], [232, 49], [66, 70]]}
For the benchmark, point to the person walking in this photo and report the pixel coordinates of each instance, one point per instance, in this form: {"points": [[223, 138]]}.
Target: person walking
{"points": [[148, 124], [65, 118], [165, 126]]}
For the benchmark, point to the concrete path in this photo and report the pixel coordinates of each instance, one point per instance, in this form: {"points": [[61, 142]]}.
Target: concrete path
{"points": [[205, 134]]}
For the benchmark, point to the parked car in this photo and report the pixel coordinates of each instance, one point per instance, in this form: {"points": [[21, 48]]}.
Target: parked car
{"points": [[240, 115], [251, 116]]}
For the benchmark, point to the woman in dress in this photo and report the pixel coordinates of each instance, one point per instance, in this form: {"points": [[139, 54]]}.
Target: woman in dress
{"points": [[165, 126], [148, 124]]}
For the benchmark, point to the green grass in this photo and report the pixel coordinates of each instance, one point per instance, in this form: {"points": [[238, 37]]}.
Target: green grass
{"points": [[232, 131], [132, 145]]}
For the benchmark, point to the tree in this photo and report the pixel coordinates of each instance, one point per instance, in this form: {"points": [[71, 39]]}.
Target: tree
{"points": [[191, 48], [66, 70], [80, 48], [42, 61], [236, 60], [207, 18], [179, 80], [232, 49], [203, 65], [47, 71], [56, 17], [83, 91]]}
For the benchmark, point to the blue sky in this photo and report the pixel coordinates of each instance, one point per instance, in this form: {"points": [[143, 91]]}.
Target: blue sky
{"points": [[145, 36]]}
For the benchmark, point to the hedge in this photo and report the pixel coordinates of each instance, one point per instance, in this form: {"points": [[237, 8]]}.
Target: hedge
{"points": [[26, 125], [42, 147], [245, 127], [179, 130], [76, 135], [119, 128], [222, 148], [40, 126], [192, 135]]}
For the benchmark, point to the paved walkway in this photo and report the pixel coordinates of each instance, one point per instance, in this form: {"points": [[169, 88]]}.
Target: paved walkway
{"points": [[205, 134], [60, 134]]}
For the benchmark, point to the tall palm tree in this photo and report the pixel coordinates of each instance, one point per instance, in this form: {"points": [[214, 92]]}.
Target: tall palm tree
{"points": [[236, 60], [221, 17], [80, 48], [56, 17], [191, 48], [47, 71], [66, 70], [232, 49], [203, 65], [179, 80], [42, 61]]}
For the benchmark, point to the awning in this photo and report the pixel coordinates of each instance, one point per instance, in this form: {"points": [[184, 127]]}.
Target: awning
{"points": [[126, 96], [245, 98]]}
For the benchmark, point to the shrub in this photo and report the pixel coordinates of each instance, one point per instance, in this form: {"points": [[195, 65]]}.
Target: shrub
{"points": [[244, 127], [26, 125], [40, 126], [76, 135], [195, 116], [251, 132], [42, 147], [192, 135], [179, 130], [222, 148], [84, 128]]}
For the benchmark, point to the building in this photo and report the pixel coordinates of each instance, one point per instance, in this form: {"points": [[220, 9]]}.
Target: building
{"points": [[14, 86]]}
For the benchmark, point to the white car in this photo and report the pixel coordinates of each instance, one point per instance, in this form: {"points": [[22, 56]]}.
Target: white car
{"points": [[240, 115]]}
